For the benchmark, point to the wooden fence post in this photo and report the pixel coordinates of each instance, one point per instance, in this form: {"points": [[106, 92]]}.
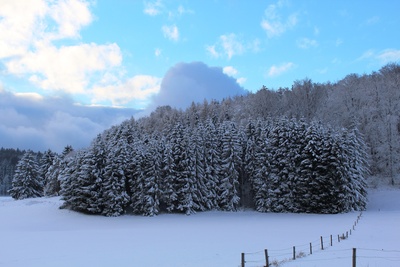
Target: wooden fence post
{"points": [[354, 257], [322, 243], [266, 258], [338, 238], [331, 241], [294, 252], [243, 262], [310, 248]]}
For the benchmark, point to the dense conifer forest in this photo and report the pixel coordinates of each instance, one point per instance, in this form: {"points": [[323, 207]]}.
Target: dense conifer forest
{"points": [[304, 149]]}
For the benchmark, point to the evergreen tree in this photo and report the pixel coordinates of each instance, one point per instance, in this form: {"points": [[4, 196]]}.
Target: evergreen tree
{"points": [[114, 195], [230, 158], [151, 180], [212, 164], [51, 182], [27, 182], [82, 178]]}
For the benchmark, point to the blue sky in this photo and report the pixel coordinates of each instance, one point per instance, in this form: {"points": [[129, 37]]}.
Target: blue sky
{"points": [[117, 54]]}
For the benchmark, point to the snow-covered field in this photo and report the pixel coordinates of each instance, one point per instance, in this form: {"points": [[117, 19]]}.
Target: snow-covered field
{"points": [[34, 232]]}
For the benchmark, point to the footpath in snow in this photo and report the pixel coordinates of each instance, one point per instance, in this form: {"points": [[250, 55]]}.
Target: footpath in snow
{"points": [[35, 233]]}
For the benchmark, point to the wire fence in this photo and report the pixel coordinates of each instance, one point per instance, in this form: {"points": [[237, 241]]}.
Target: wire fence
{"points": [[277, 257]]}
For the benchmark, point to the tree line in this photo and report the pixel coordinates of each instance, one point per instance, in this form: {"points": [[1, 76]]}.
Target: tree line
{"points": [[358, 107], [277, 165]]}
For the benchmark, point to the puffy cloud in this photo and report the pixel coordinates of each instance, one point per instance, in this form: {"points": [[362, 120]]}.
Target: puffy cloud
{"points": [[171, 32], [67, 68], [138, 89], [272, 22], [71, 16], [278, 70], [185, 83], [231, 71], [29, 121], [28, 50], [24, 23], [18, 24]]}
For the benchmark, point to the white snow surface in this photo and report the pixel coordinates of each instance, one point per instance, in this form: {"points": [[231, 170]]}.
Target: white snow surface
{"points": [[35, 232]]}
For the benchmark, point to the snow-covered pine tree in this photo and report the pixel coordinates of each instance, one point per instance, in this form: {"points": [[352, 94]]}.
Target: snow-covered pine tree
{"points": [[151, 171], [27, 182], [51, 182], [169, 196], [314, 173], [212, 169], [115, 197], [69, 172], [356, 160], [82, 179], [197, 163], [230, 164], [185, 184], [260, 173], [281, 167]]}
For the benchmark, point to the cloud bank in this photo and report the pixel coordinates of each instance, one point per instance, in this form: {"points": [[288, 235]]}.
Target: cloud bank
{"points": [[185, 83], [29, 121]]}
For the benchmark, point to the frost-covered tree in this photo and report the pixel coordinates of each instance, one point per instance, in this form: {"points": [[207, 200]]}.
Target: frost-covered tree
{"points": [[230, 165], [82, 177], [48, 165], [114, 195], [27, 182], [212, 165], [151, 177], [197, 166]]}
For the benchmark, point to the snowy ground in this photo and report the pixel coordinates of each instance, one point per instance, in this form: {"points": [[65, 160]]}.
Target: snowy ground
{"points": [[34, 232]]}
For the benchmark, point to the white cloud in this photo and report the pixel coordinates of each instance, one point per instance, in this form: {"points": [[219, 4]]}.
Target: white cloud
{"points": [[212, 51], [138, 89], [229, 45], [305, 43], [18, 25], [71, 16], [171, 32], [383, 57], [280, 69], [157, 52], [229, 70], [67, 68], [389, 55], [153, 8], [241, 80], [273, 24], [28, 50], [23, 23]]}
